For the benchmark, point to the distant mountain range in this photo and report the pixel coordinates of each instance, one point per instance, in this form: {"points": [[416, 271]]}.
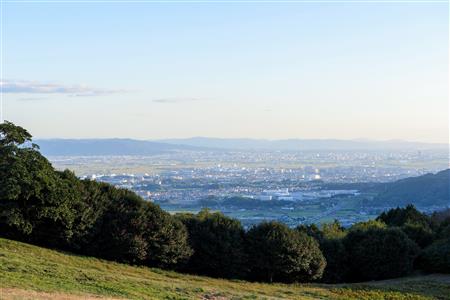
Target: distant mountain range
{"points": [[94, 147], [86, 147], [300, 144]]}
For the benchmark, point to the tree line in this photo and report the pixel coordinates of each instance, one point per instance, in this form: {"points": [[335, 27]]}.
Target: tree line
{"points": [[55, 209]]}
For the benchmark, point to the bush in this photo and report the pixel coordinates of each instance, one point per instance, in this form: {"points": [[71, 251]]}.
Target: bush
{"points": [[377, 253], [436, 257], [278, 253], [218, 244]]}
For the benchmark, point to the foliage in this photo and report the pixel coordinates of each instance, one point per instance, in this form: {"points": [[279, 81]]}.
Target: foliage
{"points": [[56, 209], [436, 257], [37, 204], [329, 236], [218, 244], [420, 234], [415, 224], [337, 258], [278, 253], [333, 230], [378, 253], [401, 216], [370, 224]]}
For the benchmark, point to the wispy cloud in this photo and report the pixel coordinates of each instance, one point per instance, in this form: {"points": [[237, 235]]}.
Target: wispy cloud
{"points": [[176, 100], [32, 98], [35, 87]]}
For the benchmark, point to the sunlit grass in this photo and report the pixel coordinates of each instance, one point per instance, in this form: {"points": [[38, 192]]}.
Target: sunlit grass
{"points": [[28, 267]]}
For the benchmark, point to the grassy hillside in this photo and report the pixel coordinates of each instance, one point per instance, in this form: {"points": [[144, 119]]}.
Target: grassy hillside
{"points": [[30, 272]]}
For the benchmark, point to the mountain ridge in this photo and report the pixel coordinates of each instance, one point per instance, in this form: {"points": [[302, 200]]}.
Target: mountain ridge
{"points": [[126, 146]]}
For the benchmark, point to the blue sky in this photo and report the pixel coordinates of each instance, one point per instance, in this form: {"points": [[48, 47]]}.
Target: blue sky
{"points": [[262, 70]]}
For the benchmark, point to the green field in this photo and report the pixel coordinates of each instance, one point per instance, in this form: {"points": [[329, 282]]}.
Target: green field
{"points": [[30, 272]]}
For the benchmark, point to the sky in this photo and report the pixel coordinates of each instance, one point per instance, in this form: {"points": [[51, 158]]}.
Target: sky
{"points": [[257, 70]]}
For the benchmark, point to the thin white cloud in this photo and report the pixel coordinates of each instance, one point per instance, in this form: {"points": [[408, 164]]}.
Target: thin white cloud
{"points": [[175, 100], [32, 98], [35, 87]]}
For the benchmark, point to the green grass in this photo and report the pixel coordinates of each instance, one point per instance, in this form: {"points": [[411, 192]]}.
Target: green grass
{"points": [[25, 268]]}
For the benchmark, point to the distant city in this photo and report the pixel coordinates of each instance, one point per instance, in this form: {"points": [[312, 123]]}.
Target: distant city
{"points": [[294, 187]]}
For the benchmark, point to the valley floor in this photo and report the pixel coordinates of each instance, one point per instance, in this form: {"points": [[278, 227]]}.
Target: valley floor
{"points": [[30, 272]]}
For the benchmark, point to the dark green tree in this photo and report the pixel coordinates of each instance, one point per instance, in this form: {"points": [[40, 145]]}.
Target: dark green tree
{"points": [[278, 253], [400, 216], [134, 231], [436, 257], [36, 204], [415, 224], [166, 237], [218, 244], [329, 237], [377, 253]]}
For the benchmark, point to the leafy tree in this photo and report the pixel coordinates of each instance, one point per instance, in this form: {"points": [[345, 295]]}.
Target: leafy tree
{"points": [[218, 244], [440, 223], [336, 257], [166, 237], [436, 257], [13, 136], [333, 230], [415, 224], [420, 234], [370, 224], [36, 204], [134, 231], [400, 216], [312, 230], [330, 237], [377, 253], [278, 253], [94, 199]]}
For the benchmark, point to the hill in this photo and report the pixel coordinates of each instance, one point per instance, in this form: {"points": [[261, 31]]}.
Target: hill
{"points": [[31, 272], [422, 191], [94, 147]]}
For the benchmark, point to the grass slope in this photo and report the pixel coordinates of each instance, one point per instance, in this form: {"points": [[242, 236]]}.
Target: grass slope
{"points": [[30, 272]]}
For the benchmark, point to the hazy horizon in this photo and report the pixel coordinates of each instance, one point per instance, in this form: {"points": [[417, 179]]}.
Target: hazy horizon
{"points": [[275, 71], [162, 140]]}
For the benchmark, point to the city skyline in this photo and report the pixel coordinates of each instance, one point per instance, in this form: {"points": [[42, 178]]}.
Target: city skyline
{"points": [[230, 70]]}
